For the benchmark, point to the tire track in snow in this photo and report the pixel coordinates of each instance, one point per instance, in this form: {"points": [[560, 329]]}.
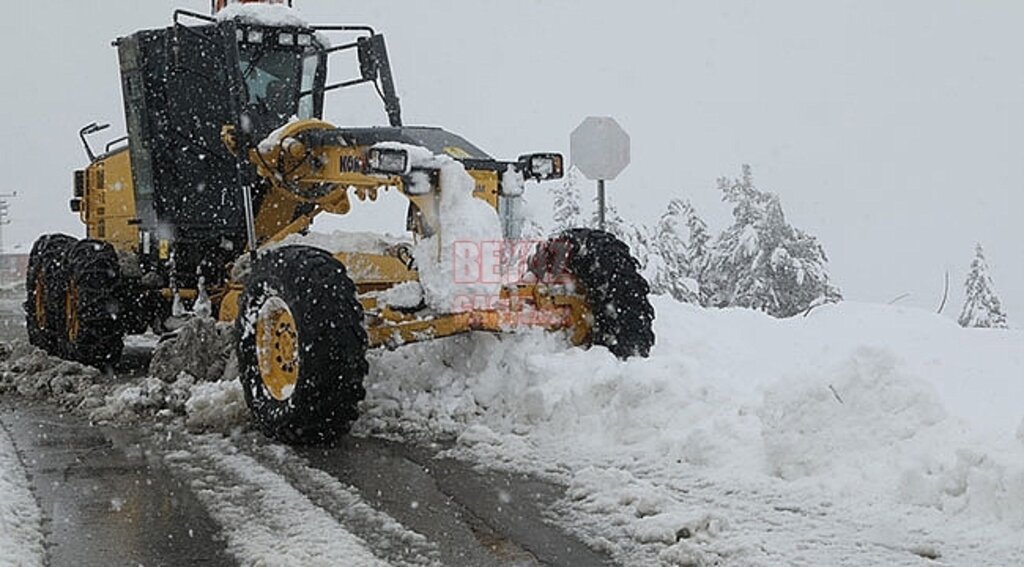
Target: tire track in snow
{"points": [[265, 519], [397, 544]]}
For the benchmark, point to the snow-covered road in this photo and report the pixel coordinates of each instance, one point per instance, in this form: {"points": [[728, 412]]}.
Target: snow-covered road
{"points": [[860, 434], [21, 536]]}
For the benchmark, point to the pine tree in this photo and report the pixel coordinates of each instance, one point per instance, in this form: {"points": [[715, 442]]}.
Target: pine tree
{"points": [[682, 259], [762, 262], [982, 307], [568, 213]]}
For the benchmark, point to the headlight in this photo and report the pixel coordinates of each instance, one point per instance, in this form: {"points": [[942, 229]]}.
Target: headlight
{"points": [[255, 36], [305, 39], [285, 38], [385, 160], [541, 166]]}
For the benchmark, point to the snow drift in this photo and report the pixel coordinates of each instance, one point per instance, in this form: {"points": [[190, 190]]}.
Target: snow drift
{"points": [[875, 405]]}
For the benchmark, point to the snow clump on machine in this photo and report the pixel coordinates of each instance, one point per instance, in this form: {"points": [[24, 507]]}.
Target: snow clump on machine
{"points": [[456, 272]]}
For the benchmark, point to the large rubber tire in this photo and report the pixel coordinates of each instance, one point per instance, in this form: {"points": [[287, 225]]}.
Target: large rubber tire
{"points": [[611, 282], [91, 286], [44, 313], [329, 352]]}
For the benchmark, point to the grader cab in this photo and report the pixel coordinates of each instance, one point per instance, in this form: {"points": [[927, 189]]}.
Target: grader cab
{"points": [[228, 159]]}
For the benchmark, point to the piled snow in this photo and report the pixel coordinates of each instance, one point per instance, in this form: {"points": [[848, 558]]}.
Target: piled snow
{"points": [[203, 348], [21, 535], [748, 433], [216, 406], [30, 372], [193, 379], [143, 399]]}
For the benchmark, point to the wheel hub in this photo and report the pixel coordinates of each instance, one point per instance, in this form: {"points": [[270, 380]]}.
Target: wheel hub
{"points": [[277, 352]]}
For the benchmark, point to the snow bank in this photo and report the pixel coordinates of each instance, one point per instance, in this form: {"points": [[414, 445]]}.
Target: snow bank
{"points": [[862, 405], [30, 372], [21, 534], [193, 379]]}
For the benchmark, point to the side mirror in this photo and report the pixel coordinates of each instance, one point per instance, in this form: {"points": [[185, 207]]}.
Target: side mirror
{"points": [[542, 167]]}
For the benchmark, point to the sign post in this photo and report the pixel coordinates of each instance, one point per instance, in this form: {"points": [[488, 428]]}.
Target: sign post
{"points": [[599, 147]]}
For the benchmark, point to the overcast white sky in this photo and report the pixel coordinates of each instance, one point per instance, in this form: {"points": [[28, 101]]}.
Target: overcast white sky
{"points": [[894, 131]]}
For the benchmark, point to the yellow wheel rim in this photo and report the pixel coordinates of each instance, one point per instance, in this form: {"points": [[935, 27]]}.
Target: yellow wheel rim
{"points": [[277, 348], [71, 311], [40, 300]]}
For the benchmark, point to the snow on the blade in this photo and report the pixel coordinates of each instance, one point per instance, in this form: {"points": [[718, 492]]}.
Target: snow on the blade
{"points": [[406, 295], [21, 535], [787, 440], [457, 270]]}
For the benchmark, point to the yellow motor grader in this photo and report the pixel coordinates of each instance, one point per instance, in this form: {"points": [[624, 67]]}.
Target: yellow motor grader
{"points": [[226, 155]]}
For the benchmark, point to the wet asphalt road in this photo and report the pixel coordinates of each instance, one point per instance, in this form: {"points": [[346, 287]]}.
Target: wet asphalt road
{"points": [[108, 498]]}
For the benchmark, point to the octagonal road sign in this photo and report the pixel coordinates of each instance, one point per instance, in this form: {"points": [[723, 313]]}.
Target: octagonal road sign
{"points": [[599, 147]]}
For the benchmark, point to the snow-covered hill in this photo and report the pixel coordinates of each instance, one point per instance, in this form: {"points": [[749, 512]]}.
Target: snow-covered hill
{"points": [[860, 434]]}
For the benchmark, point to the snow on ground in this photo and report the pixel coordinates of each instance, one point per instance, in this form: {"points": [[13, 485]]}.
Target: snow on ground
{"points": [[192, 379], [272, 507], [21, 535], [860, 434]]}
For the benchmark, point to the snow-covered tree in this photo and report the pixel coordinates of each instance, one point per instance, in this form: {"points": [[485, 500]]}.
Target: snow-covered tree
{"points": [[762, 262], [567, 213], [982, 307], [680, 243]]}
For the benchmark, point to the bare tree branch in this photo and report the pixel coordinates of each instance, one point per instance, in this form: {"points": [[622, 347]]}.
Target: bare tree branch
{"points": [[945, 294], [898, 298]]}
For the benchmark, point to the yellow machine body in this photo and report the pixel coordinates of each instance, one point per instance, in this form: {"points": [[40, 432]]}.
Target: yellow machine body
{"points": [[306, 181], [106, 200]]}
